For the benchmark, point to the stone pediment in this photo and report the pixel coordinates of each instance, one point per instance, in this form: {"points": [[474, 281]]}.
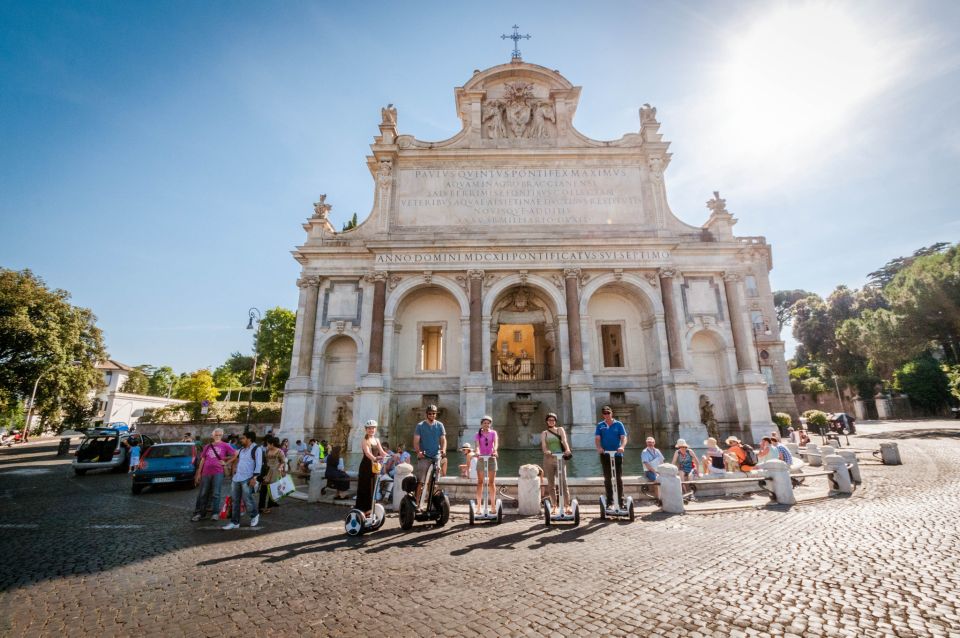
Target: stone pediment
{"points": [[517, 106]]}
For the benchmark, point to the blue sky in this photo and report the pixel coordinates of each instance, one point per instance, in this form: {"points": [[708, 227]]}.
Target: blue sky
{"points": [[158, 158]]}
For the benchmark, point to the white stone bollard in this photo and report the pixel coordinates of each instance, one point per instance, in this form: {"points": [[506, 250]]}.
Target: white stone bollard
{"points": [[671, 491], [402, 471], [841, 477], [813, 455], [890, 454], [317, 481], [825, 451], [778, 473], [854, 463], [528, 490], [793, 447]]}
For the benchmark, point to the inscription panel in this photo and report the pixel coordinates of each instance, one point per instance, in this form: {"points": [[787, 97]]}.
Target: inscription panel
{"points": [[510, 196]]}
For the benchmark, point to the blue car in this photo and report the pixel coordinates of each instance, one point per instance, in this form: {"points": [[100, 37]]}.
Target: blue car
{"points": [[166, 464]]}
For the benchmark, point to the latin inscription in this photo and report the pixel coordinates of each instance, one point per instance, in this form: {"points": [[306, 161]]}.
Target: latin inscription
{"points": [[520, 196], [531, 256]]}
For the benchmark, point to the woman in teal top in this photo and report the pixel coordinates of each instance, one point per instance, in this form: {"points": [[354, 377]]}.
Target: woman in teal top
{"points": [[553, 440]]}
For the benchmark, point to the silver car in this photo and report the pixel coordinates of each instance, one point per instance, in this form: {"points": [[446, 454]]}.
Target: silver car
{"points": [[104, 449]]}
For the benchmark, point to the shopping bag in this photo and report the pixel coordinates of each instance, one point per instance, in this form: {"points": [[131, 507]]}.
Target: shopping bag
{"points": [[279, 489], [227, 509]]}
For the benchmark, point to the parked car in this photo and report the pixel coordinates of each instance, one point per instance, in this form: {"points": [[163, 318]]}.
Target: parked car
{"points": [[103, 449], [166, 464]]}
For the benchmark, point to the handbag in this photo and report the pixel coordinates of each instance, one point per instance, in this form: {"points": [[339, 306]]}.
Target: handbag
{"points": [[377, 467], [282, 487]]}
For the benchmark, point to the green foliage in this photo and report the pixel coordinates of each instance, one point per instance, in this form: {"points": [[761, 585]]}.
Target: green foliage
{"points": [[953, 379], [198, 387], [261, 412], [43, 336], [162, 382], [224, 377], [813, 386], [350, 225], [783, 301], [275, 345], [880, 278], [783, 420], [925, 382], [816, 418], [800, 373], [138, 382]]}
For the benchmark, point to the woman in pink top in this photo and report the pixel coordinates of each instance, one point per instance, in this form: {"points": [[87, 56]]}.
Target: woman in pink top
{"points": [[209, 476], [487, 443]]}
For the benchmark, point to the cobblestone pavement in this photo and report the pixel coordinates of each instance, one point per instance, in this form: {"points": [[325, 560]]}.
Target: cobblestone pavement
{"points": [[82, 556]]}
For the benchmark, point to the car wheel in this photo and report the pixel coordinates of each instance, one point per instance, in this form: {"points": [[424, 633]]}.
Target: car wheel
{"points": [[136, 489]]}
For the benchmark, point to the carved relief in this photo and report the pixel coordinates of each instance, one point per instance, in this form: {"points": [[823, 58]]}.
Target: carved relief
{"points": [[717, 205], [518, 115], [648, 114], [385, 173], [394, 281], [375, 276], [321, 209], [309, 281], [428, 276]]}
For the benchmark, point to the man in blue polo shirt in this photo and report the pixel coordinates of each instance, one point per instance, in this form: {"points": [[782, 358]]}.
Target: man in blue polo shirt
{"points": [[611, 436]]}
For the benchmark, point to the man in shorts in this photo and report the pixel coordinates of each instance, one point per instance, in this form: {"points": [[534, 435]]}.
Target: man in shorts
{"points": [[652, 458], [611, 436], [429, 441]]}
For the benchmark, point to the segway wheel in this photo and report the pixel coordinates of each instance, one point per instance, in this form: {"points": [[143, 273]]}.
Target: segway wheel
{"points": [[499, 512], [444, 511], [353, 524], [603, 508], [547, 511], [472, 513], [379, 515], [631, 514], [407, 512], [576, 514]]}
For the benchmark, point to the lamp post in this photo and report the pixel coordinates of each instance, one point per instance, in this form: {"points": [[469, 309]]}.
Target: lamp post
{"points": [[843, 411], [756, 345], [33, 396], [253, 314]]}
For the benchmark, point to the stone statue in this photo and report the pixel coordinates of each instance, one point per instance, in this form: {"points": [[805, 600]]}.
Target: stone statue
{"points": [[542, 113], [520, 301], [321, 209], [493, 120], [717, 205], [707, 417], [388, 114], [656, 167], [385, 172], [648, 114]]}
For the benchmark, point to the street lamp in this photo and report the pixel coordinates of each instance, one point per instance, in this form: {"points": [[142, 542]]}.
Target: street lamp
{"points": [[756, 345], [33, 396], [843, 411], [253, 313]]}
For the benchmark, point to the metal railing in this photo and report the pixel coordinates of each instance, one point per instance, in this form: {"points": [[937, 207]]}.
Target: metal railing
{"points": [[514, 370]]}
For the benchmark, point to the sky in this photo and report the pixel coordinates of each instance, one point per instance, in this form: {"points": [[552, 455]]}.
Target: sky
{"points": [[157, 159]]}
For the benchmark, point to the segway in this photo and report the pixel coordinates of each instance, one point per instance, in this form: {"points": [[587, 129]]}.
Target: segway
{"points": [[561, 482], [484, 512], [357, 521], [613, 510], [433, 505]]}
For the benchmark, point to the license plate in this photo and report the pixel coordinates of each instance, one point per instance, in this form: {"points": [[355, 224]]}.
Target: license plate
{"points": [[163, 479]]}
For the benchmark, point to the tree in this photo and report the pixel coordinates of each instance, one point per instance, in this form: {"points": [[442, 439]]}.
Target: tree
{"points": [[197, 388], [925, 382], [162, 382], [783, 301], [226, 378], [880, 278], [43, 336], [878, 336], [350, 225], [275, 345], [138, 381]]}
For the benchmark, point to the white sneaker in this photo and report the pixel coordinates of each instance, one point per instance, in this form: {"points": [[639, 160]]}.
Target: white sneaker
{"points": [[254, 521], [230, 526], [215, 517]]}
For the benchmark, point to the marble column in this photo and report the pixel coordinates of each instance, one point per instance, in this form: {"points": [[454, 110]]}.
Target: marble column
{"points": [[311, 286], [572, 280], [742, 343], [375, 361], [670, 318], [476, 319]]}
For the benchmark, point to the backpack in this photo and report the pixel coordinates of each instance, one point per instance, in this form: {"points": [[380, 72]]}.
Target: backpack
{"points": [[750, 455], [263, 462]]}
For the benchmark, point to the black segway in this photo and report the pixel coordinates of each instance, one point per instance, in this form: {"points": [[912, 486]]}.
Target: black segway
{"points": [[613, 510], [484, 512], [357, 521], [561, 482], [434, 504]]}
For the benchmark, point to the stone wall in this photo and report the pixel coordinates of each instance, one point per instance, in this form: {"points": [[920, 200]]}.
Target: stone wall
{"points": [[175, 431]]}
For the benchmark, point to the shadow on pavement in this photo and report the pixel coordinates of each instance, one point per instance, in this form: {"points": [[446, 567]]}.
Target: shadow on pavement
{"points": [[569, 534], [507, 541], [913, 434]]}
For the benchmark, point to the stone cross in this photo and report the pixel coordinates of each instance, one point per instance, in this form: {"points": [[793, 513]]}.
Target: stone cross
{"points": [[516, 37]]}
